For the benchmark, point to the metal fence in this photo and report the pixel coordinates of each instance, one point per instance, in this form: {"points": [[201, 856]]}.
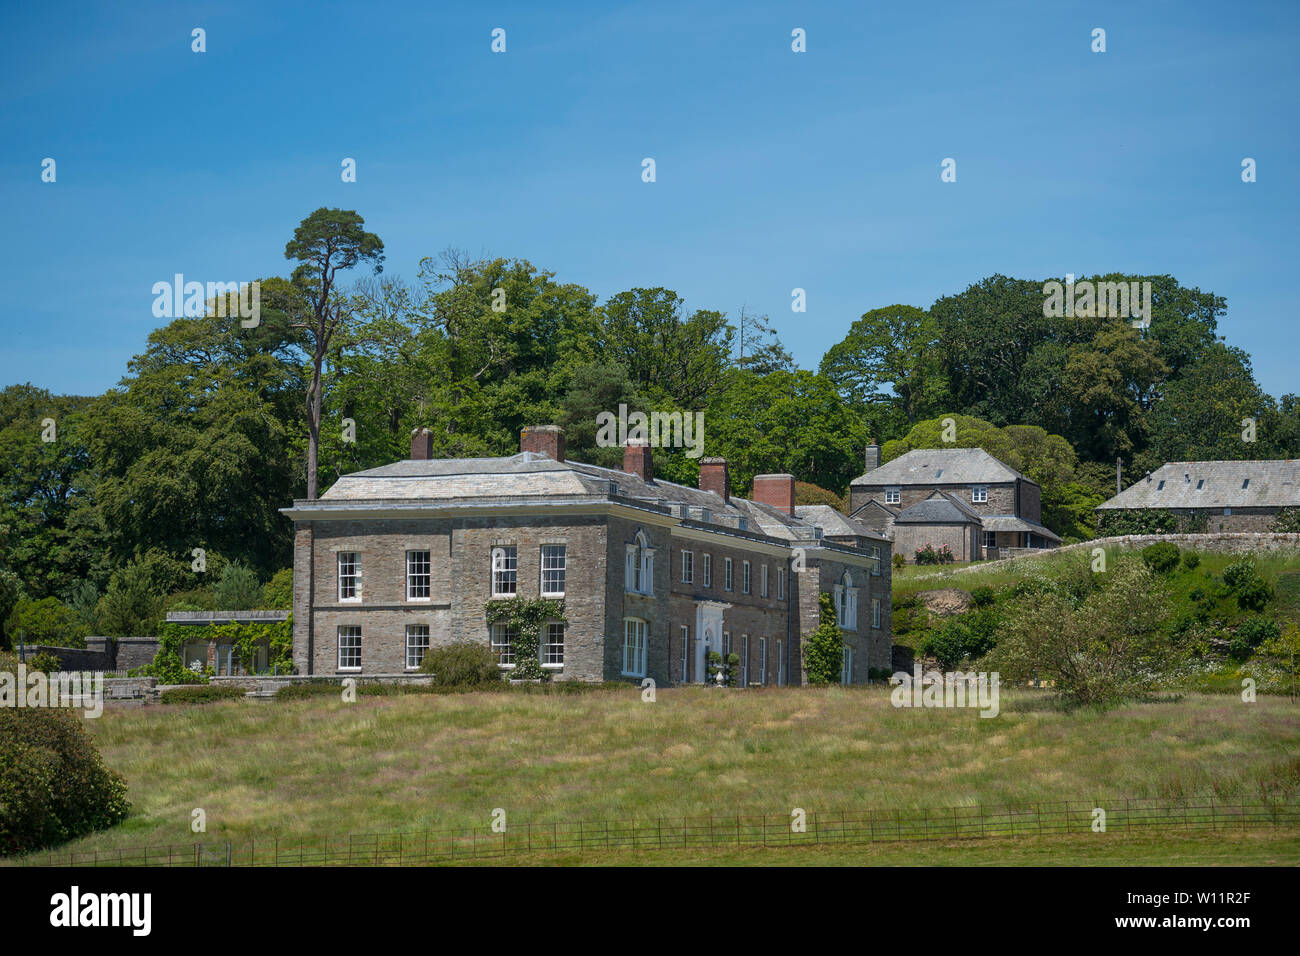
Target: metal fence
{"points": [[775, 830]]}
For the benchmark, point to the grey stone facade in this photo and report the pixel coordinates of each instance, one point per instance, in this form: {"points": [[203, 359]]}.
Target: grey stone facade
{"points": [[462, 511]]}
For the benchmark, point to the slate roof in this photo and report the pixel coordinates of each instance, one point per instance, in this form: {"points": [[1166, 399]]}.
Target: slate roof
{"points": [[1012, 523], [833, 523], [939, 508], [1213, 484], [533, 474], [931, 466]]}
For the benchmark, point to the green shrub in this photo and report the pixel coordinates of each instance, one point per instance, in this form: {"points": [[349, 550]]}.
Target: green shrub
{"points": [[1191, 560], [201, 694], [1253, 632], [1287, 521], [277, 593], [45, 662], [823, 653], [960, 638], [299, 690], [463, 664], [931, 555], [1161, 557], [1245, 584], [982, 596], [237, 589], [53, 785], [900, 561]]}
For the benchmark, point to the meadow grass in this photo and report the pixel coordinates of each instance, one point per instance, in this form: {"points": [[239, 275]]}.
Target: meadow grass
{"points": [[318, 767]]}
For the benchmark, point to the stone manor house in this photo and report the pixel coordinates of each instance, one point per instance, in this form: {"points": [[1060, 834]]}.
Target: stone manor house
{"points": [[653, 575]]}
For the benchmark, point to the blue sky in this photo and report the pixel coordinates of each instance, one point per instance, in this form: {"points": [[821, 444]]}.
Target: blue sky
{"points": [[775, 170]]}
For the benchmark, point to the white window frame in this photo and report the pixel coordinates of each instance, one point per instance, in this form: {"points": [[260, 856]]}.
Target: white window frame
{"points": [[762, 580], [746, 577], [875, 560], [354, 578], [547, 648], [686, 643], [979, 494], [420, 647], [706, 569], [780, 663], [636, 635], [354, 631], [846, 666], [762, 661], [726, 645], [549, 554], [846, 603], [505, 570], [875, 613], [728, 574], [744, 660], [688, 567], [780, 584], [502, 642], [894, 496], [990, 539], [639, 570], [413, 577]]}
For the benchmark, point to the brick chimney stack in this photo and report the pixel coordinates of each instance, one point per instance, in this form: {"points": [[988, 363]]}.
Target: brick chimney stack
{"points": [[544, 439], [421, 444], [714, 477], [873, 455], [776, 491], [637, 459]]}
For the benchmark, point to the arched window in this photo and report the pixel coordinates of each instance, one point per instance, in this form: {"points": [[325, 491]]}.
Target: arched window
{"points": [[846, 603], [639, 572]]}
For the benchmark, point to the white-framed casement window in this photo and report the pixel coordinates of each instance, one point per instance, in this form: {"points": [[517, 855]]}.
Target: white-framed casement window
{"points": [[639, 571], [726, 645], [554, 559], [846, 603], [762, 581], [686, 659], [504, 639], [727, 577], [349, 576], [505, 571], [688, 567], [417, 645], [744, 660], [553, 644], [979, 494], [990, 539], [349, 647], [846, 667], [780, 584], [762, 661], [745, 576], [875, 612], [706, 569], [875, 560], [893, 495], [780, 664], [417, 576], [634, 641]]}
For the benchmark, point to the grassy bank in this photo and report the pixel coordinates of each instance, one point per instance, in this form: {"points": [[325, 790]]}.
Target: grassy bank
{"points": [[314, 767]]}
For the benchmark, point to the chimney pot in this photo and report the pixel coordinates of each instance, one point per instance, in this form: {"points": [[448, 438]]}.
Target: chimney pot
{"points": [[421, 444], [544, 439]]}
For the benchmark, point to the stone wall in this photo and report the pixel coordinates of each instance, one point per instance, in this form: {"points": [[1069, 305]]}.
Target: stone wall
{"points": [[962, 539], [102, 653]]}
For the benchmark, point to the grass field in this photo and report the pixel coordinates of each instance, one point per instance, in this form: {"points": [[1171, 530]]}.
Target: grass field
{"points": [[316, 767]]}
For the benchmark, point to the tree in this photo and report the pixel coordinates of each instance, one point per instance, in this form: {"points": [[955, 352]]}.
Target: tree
{"points": [[760, 349], [823, 649], [894, 349], [47, 621], [1199, 415], [237, 589], [326, 242], [130, 606], [1098, 648]]}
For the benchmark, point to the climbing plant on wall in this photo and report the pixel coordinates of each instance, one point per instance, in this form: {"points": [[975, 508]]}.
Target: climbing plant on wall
{"points": [[525, 617]]}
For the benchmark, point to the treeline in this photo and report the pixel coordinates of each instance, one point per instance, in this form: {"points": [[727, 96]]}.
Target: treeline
{"points": [[206, 436]]}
